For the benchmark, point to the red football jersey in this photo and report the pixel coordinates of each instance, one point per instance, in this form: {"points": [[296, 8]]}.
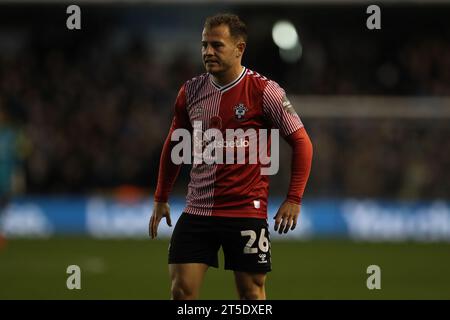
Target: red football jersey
{"points": [[249, 102]]}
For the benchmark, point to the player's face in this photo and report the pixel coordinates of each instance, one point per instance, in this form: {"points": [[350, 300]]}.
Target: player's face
{"points": [[220, 51]]}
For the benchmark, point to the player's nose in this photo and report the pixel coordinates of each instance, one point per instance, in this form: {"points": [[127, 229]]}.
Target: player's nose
{"points": [[208, 51]]}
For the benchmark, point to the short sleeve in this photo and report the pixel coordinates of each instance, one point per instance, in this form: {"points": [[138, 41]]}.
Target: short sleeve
{"points": [[279, 111]]}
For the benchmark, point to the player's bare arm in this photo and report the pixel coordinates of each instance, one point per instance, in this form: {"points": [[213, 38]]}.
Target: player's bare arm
{"points": [[160, 210]]}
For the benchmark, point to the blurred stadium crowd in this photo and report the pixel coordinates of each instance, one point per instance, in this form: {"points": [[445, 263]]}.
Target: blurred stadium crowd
{"points": [[97, 119]]}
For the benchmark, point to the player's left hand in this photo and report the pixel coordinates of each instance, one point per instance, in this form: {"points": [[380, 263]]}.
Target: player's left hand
{"points": [[160, 210], [286, 217]]}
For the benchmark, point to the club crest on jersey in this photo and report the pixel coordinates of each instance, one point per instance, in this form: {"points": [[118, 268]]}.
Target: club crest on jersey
{"points": [[239, 111]]}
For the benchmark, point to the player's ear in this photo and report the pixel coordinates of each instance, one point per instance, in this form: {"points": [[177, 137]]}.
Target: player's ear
{"points": [[240, 48]]}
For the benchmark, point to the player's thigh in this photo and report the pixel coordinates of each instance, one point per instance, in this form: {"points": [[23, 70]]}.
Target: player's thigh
{"points": [[249, 281], [188, 275], [246, 245]]}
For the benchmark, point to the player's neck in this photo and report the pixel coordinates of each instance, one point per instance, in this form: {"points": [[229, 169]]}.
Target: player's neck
{"points": [[228, 77]]}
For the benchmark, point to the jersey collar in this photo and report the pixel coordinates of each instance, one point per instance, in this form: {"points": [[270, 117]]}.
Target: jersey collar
{"points": [[231, 84]]}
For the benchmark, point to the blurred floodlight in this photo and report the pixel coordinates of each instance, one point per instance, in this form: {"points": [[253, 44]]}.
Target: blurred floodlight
{"points": [[284, 35]]}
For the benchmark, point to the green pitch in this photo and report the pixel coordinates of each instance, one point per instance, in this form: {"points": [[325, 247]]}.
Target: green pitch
{"points": [[137, 269]]}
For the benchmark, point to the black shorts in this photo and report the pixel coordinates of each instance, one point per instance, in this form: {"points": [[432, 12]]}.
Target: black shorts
{"points": [[245, 242]]}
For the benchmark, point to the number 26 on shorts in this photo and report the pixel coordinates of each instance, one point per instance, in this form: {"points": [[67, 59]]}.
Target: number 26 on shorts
{"points": [[263, 242]]}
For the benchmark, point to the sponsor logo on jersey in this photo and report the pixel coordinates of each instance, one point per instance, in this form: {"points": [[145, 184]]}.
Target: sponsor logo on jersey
{"points": [[196, 111]]}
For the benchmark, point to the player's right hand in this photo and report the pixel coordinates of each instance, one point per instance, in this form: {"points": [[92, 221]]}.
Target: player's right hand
{"points": [[160, 210]]}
